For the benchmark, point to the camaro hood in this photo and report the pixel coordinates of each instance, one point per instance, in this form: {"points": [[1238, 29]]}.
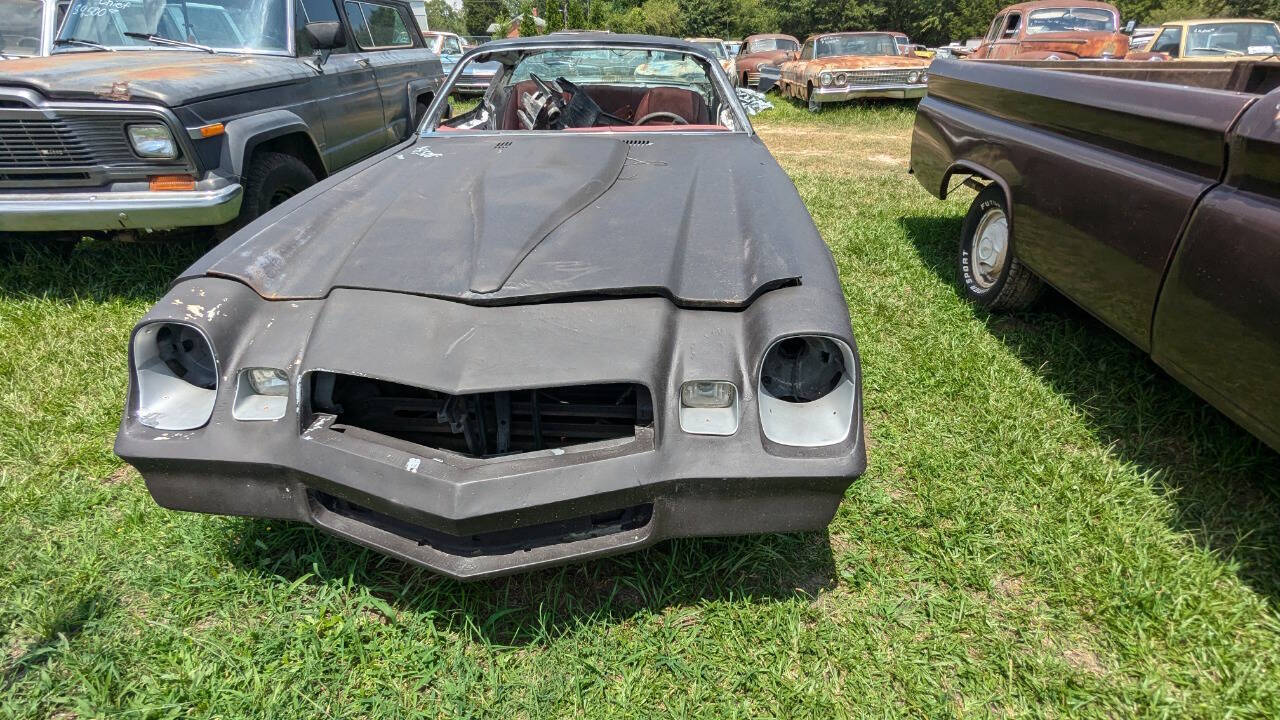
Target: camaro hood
{"points": [[706, 220], [172, 77]]}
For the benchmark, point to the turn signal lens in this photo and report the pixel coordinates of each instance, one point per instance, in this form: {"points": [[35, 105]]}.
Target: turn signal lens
{"points": [[171, 182], [708, 394], [213, 130]]}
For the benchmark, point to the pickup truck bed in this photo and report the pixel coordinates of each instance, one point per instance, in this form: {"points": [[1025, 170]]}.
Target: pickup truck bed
{"points": [[1147, 193]]}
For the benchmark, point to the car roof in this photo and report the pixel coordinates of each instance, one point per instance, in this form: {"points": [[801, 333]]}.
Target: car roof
{"points": [[857, 32], [1215, 21], [703, 39], [1042, 4], [770, 36]]}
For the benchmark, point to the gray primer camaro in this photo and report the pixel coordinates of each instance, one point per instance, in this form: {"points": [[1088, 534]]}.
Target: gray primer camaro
{"points": [[588, 315]]}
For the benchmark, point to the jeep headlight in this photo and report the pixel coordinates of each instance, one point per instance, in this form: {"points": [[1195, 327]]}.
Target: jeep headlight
{"points": [[152, 141], [175, 375]]}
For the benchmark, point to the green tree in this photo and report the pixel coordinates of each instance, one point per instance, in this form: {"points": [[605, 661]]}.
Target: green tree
{"points": [[706, 18], [440, 16]]}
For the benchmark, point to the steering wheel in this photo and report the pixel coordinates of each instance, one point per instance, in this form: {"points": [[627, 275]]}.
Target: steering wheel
{"points": [[662, 115], [547, 87]]}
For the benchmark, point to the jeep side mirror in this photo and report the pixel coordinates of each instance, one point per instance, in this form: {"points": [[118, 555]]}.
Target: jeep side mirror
{"points": [[325, 35], [1130, 26]]}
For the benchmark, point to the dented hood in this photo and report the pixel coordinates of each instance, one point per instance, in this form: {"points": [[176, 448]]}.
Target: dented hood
{"points": [[707, 220], [171, 77]]}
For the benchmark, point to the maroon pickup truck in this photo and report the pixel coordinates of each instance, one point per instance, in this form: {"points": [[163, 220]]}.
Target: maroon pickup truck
{"points": [[1147, 193]]}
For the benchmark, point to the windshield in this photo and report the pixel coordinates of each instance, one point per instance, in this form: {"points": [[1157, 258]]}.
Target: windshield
{"points": [[20, 26], [768, 44], [716, 48], [1233, 38], [252, 25], [869, 44], [1070, 20]]}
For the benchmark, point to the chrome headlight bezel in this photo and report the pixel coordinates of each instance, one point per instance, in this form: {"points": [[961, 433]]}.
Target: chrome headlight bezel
{"points": [[825, 79]]}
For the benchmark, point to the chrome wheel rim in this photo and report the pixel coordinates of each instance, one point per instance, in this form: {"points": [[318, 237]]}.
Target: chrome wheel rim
{"points": [[990, 246]]}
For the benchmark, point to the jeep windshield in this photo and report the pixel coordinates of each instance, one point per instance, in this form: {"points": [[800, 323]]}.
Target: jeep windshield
{"points": [[20, 22], [599, 88], [1069, 19], [868, 44], [223, 25]]}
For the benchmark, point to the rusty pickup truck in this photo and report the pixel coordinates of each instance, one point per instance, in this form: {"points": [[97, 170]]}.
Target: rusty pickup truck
{"points": [[1148, 193]]}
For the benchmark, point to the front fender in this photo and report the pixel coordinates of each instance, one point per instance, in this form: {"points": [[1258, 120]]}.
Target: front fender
{"points": [[246, 133]]}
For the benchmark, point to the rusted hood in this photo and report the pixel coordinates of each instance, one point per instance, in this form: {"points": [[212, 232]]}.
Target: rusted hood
{"points": [[860, 62], [1080, 44], [171, 77], [705, 220]]}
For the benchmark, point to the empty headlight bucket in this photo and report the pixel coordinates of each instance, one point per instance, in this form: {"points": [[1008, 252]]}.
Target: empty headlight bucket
{"points": [[176, 376], [709, 407], [152, 141], [807, 391], [261, 394]]}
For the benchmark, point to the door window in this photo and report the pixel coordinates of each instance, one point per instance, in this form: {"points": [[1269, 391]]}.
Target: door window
{"points": [[807, 52], [995, 28], [377, 26], [1170, 41], [1011, 26], [452, 46]]}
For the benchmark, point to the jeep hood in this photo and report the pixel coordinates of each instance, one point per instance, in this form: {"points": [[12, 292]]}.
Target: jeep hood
{"points": [[171, 77], [706, 220]]}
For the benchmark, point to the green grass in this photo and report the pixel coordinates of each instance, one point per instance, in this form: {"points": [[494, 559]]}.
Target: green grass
{"points": [[1049, 527]]}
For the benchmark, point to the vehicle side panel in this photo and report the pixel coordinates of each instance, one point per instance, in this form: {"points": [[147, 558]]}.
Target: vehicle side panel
{"points": [[1217, 327], [1101, 174]]}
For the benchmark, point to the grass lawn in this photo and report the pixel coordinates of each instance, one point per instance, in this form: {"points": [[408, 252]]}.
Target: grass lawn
{"points": [[1050, 527]]}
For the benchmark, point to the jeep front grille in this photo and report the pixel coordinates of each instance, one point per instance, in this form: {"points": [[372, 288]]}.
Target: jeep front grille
{"points": [[39, 142], [484, 424]]}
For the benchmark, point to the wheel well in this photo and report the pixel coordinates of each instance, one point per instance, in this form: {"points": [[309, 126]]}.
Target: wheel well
{"points": [[979, 179], [298, 145]]}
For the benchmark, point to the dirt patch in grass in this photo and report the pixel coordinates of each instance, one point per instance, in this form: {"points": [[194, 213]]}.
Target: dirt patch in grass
{"points": [[119, 475]]}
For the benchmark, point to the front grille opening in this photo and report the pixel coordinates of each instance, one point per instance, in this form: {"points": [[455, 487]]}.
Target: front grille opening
{"points": [[485, 425], [499, 542]]}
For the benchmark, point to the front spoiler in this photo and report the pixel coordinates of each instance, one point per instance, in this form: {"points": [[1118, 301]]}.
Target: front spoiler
{"points": [[108, 210]]}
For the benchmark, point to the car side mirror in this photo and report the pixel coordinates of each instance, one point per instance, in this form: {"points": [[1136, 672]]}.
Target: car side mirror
{"points": [[325, 35], [1130, 26]]}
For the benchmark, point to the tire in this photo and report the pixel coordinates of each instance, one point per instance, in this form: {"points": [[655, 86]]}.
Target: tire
{"points": [[272, 178], [990, 271]]}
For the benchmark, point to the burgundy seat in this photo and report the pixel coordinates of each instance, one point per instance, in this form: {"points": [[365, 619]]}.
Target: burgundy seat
{"points": [[629, 103], [685, 103]]}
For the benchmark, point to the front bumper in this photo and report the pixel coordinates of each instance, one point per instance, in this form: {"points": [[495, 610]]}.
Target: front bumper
{"points": [[110, 210], [841, 94], [507, 514]]}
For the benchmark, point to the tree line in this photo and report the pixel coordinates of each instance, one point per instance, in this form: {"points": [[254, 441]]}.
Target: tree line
{"points": [[931, 22]]}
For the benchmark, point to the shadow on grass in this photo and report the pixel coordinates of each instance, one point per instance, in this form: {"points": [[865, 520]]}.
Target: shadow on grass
{"points": [[535, 607], [1224, 482], [93, 270], [66, 624]]}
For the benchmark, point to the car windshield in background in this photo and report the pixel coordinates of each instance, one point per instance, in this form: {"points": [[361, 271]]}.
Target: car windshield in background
{"points": [[1233, 38], [20, 26], [619, 67], [870, 44], [716, 48], [245, 25], [756, 46], [1069, 19]]}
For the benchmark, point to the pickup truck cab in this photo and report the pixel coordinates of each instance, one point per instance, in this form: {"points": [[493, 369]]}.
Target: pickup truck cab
{"points": [[1212, 40], [156, 115], [1054, 30], [1147, 193], [27, 27]]}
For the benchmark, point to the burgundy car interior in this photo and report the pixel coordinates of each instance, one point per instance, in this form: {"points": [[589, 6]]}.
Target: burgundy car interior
{"points": [[627, 102]]}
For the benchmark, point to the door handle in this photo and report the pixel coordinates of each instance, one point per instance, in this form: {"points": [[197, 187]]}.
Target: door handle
{"points": [[364, 62]]}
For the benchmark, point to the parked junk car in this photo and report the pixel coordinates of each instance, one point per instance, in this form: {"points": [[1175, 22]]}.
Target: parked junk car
{"points": [[445, 44], [758, 50], [27, 27], [1219, 39], [1055, 30], [902, 42], [155, 115], [846, 66], [587, 315], [1110, 184], [720, 50]]}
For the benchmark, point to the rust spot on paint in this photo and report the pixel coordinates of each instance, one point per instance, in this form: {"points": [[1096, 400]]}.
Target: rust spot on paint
{"points": [[117, 91]]}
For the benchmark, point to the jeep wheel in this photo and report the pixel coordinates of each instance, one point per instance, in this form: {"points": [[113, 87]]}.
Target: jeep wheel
{"points": [[272, 178], [992, 275]]}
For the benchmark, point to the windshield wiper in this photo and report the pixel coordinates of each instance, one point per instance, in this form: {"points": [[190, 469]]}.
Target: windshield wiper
{"points": [[86, 43], [168, 41]]}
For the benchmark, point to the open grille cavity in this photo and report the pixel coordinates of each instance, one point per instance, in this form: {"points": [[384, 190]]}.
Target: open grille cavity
{"points": [[488, 424]]}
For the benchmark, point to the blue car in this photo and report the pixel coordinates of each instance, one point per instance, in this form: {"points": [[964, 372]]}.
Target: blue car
{"points": [[476, 76]]}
